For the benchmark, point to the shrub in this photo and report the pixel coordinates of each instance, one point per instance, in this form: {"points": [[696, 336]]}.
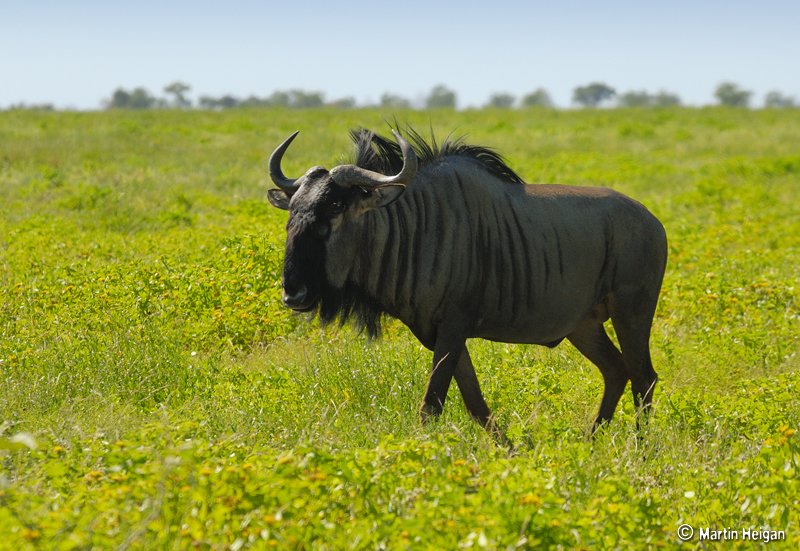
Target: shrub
{"points": [[140, 98], [501, 100], [665, 99], [537, 98], [392, 101], [593, 94], [636, 99], [777, 100], [644, 99], [179, 89], [441, 96], [729, 93]]}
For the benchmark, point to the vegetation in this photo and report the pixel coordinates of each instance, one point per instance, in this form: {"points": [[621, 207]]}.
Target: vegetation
{"points": [[154, 394], [393, 101], [538, 98], [501, 100], [32, 106], [441, 97], [730, 94], [775, 99], [593, 94], [293, 99], [178, 90], [644, 99], [139, 98]]}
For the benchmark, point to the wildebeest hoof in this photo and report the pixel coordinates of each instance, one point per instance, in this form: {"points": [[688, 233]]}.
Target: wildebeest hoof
{"points": [[428, 413]]}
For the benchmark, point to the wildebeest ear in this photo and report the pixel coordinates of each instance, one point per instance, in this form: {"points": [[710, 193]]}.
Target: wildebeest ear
{"points": [[382, 196], [278, 199]]}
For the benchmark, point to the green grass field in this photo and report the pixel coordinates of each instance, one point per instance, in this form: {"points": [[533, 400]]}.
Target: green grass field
{"points": [[177, 405]]}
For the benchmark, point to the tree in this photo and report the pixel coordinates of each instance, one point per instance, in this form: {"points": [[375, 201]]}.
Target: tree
{"points": [[645, 99], [224, 102], [501, 100], [120, 99], [776, 100], [179, 89], [254, 101], [392, 101], [22, 106], [138, 99], [636, 99], [278, 99], [228, 101], [348, 102], [537, 98], [299, 99], [441, 96], [729, 93], [293, 99], [593, 94], [665, 99]]}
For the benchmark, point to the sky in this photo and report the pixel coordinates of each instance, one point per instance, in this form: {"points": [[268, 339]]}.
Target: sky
{"points": [[75, 54]]}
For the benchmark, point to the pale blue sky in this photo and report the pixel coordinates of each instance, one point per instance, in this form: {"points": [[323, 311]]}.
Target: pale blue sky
{"points": [[74, 54]]}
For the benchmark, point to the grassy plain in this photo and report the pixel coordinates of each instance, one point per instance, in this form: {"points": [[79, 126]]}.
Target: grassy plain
{"points": [[177, 405]]}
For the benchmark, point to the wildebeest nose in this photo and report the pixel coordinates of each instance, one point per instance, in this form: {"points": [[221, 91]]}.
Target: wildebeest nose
{"points": [[295, 299]]}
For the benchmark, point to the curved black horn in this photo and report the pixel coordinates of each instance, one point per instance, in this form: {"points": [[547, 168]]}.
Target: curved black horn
{"points": [[351, 175], [286, 184]]}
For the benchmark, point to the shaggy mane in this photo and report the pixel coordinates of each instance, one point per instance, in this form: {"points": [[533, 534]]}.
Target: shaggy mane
{"points": [[383, 155], [351, 302], [380, 154]]}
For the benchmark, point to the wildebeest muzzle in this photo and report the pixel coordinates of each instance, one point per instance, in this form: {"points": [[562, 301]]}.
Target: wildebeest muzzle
{"points": [[296, 298]]}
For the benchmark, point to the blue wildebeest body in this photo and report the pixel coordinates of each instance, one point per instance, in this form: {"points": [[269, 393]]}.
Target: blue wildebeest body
{"points": [[456, 246]]}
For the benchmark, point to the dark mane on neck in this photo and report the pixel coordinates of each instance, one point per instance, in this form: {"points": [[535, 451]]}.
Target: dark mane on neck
{"points": [[380, 154], [383, 155]]}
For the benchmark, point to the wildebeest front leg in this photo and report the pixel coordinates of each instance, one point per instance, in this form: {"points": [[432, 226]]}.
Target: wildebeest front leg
{"points": [[473, 399], [445, 358]]}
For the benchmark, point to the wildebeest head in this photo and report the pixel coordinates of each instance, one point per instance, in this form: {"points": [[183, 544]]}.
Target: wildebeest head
{"points": [[321, 204]]}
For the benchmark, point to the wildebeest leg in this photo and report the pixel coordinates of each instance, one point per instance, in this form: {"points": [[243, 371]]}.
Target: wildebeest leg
{"points": [[445, 357], [632, 318], [591, 340], [473, 399]]}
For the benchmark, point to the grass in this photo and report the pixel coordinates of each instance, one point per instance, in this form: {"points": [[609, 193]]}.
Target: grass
{"points": [[176, 404]]}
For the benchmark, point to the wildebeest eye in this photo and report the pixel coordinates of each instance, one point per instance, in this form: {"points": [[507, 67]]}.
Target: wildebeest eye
{"points": [[337, 207]]}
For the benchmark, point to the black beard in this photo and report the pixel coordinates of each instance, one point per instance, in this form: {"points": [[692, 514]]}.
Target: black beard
{"points": [[349, 302]]}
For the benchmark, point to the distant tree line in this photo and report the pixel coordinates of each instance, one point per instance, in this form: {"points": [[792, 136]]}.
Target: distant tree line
{"points": [[31, 106], [592, 95], [293, 99], [138, 98], [727, 93], [440, 97]]}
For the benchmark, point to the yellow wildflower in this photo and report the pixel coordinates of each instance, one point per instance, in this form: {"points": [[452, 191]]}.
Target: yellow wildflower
{"points": [[530, 499]]}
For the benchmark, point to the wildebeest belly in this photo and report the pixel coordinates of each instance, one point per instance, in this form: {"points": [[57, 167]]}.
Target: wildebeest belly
{"points": [[545, 325]]}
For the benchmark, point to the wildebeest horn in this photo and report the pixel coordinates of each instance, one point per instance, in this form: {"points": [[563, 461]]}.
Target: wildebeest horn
{"points": [[351, 175], [286, 184]]}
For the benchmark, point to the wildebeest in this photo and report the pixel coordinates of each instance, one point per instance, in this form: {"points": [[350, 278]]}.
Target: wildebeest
{"points": [[450, 240]]}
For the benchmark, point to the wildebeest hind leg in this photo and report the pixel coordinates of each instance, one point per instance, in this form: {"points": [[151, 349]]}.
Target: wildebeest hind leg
{"points": [[632, 319], [473, 399], [591, 340]]}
